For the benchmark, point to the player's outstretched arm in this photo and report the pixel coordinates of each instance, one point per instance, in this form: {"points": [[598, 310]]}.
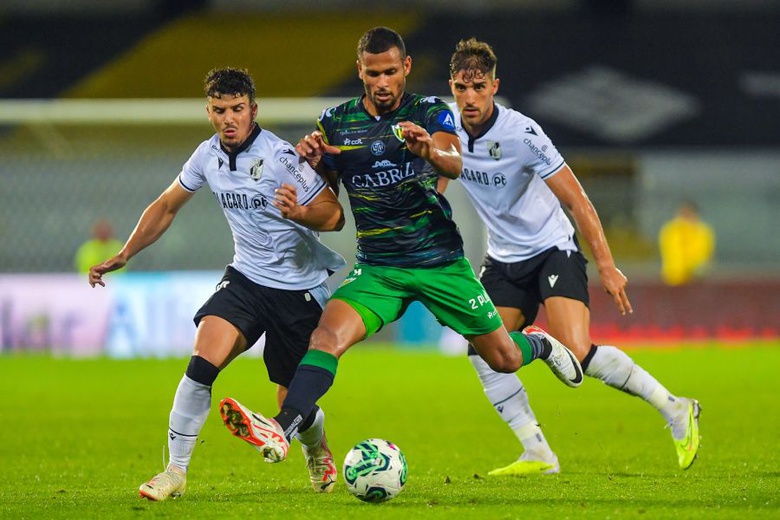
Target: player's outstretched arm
{"points": [[324, 213], [312, 147], [569, 191], [441, 150], [154, 221]]}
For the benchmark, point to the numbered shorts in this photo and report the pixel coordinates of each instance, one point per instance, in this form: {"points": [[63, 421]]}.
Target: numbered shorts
{"points": [[524, 285], [287, 317], [381, 294]]}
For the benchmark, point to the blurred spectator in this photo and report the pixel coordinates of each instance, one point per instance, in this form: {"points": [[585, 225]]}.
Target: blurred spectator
{"points": [[687, 244], [102, 245]]}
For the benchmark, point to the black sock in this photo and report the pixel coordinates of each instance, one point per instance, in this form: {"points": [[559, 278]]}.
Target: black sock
{"points": [[307, 386]]}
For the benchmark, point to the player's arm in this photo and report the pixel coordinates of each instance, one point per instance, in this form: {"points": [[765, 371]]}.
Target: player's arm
{"points": [[572, 196], [441, 150], [324, 213], [441, 184], [154, 221], [312, 147]]}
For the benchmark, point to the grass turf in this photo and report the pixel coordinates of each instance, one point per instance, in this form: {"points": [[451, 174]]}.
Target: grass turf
{"points": [[77, 437]]}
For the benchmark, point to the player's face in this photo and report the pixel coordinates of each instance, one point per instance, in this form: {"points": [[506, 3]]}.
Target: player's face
{"points": [[473, 92], [384, 79], [232, 117]]}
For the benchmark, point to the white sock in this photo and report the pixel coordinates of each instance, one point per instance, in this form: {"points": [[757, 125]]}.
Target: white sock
{"points": [[508, 396], [616, 369], [190, 408], [312, 435]]}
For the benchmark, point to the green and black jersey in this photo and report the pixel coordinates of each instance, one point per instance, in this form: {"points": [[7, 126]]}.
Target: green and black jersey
{"points": [[401, 219]]}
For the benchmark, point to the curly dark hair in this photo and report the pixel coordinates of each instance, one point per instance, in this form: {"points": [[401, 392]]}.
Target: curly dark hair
{"points": [[474, 58], [379, 40], [228, 80]]}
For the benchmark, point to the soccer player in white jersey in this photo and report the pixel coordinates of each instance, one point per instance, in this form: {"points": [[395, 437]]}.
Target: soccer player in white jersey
{"points": [[276, 284], [519, 184]]}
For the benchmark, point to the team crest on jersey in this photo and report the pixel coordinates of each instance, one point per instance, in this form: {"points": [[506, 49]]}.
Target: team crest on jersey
{"points": [[398, 132], [256, 170], [494, 149], [377, 147]]}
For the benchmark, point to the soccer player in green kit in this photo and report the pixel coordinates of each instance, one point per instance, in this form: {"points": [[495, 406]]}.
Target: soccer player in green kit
{"points": [[388, 148]]}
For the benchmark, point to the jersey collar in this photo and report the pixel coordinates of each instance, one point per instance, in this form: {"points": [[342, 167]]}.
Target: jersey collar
{"points": [[404, 99], [488, 125], [246, 144]]}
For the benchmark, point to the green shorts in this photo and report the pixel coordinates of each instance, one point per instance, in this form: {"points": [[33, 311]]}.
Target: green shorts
{"points": [[451, 292]]}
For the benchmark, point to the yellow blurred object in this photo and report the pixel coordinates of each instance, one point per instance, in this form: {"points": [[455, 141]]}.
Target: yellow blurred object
{"points": [[100, 247], [687, 245]]}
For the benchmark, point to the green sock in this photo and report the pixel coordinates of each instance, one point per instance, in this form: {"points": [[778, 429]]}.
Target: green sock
{"points": [[524, 345]]}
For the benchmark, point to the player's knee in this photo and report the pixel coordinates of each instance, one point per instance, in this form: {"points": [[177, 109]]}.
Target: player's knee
{"points": [[505, 364], [323, 338]]}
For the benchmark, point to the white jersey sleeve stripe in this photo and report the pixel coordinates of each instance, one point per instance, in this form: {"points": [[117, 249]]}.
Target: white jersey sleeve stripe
{"points": [[181, 183], [553, 171], [312, 196]]}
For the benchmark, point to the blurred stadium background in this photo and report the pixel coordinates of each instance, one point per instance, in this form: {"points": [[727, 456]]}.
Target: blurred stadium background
{"points": [[651, 102]]}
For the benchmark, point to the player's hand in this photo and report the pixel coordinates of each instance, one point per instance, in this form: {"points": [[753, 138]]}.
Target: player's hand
{"points": [[286, 200], [312, 147], [417, 138], [96, 272], [614, 283]]}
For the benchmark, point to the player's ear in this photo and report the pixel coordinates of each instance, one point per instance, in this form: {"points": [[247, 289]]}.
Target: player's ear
{"points": [[495, 85], [407, 65], [254, 109], [359, 69]]}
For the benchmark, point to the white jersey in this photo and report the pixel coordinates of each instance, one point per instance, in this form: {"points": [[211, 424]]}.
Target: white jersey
{"points": [[269, 250], [504, 170]]}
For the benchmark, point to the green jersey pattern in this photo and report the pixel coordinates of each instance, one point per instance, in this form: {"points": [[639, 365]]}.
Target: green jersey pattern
{"points": [[401, 219]]}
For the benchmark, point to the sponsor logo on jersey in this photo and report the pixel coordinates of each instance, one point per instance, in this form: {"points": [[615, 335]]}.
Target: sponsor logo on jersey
{"points": [[499, 179], [220, 162], [537, 152], [377, 147], [476, 176], [484, 178], [494, 149], [295, 171], [230, 200], [384, 177], [256, 170], [398, 132], [353, 142], [221, 285], [384, 163], [429, 99], [552, 279], [446, 120], [530, 130]]}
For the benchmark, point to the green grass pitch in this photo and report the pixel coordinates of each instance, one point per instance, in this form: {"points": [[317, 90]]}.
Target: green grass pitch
{"points": [[77, 438]]}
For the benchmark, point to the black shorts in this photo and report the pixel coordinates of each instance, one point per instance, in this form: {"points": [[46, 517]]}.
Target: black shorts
{"points": [[524, 285], [286, 317]]}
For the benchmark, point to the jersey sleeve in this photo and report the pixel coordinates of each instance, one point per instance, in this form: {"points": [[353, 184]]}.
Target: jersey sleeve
{"points": [[324, 125], [543, 157], [437, 116], [191, 177], [296, 171]]}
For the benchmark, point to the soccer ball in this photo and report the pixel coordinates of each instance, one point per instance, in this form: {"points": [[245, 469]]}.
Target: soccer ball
{"points": [[375, 470]]}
